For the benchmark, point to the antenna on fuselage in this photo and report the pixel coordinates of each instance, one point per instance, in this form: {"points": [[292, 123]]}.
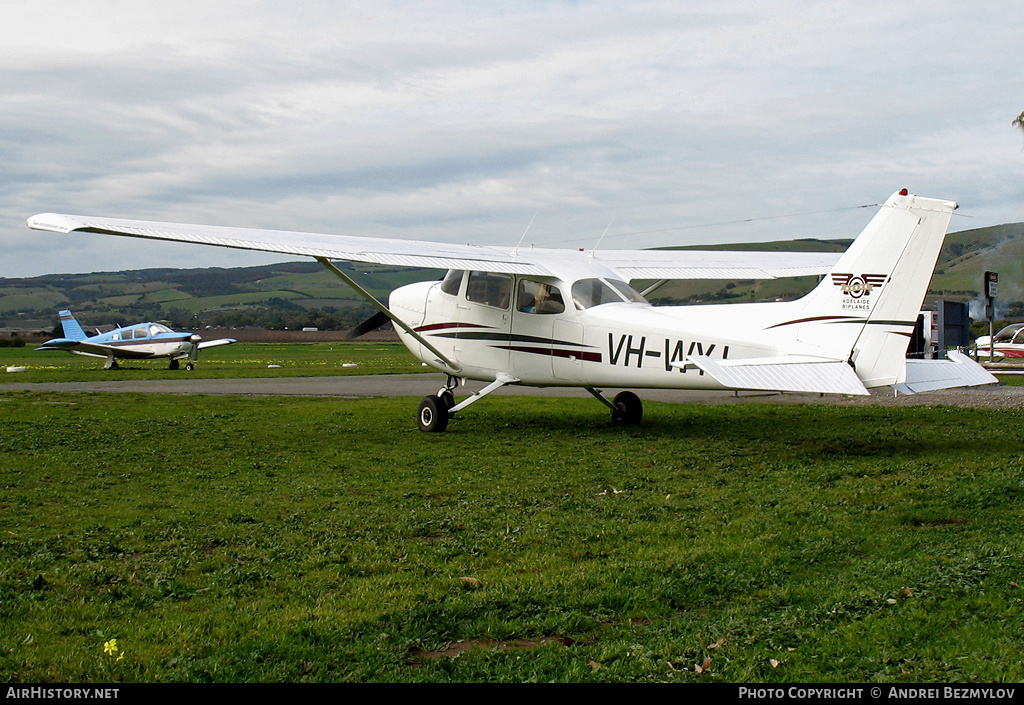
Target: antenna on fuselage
{"points": [[515, 250], [596, 245]]}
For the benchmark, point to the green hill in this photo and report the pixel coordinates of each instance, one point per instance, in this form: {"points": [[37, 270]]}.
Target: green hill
{"points": [[288, 295], [966, 255], [964, 258]]}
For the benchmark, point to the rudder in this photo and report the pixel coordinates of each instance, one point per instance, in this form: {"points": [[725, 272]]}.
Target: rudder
{"points": [[866, 308], [72, 329]]}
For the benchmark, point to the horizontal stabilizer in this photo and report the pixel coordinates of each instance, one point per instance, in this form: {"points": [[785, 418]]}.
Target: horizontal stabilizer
{"points": [[782, 374], [58, 344], [958, 371]]}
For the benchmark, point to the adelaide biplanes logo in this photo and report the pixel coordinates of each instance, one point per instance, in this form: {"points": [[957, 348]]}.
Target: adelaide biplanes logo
{"points": [[857, 286]]}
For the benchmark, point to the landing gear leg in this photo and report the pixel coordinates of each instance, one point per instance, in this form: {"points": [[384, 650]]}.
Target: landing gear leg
{"points": [[447, 392], [174, 365], [430, 416]]}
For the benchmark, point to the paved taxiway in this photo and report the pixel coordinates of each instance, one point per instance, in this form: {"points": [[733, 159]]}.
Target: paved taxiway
{"points": [[419, 385], [350, 386]]}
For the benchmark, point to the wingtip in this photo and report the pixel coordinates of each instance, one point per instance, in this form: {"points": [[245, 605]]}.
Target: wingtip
{"points": [[53, 222]]}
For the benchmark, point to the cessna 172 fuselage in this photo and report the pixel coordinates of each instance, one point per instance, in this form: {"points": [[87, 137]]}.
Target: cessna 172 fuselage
{"points": [[543, 317]]}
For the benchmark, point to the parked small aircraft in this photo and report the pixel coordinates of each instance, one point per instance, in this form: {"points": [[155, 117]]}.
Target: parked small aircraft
{"points": [[547, 318], [142, 341], [1009, 342]]}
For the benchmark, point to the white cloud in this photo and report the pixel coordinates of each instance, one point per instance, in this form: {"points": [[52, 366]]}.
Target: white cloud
{"points": [[460, 121]]}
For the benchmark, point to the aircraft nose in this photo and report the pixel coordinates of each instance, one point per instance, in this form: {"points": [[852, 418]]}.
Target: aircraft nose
{"points": [[195, 338]]}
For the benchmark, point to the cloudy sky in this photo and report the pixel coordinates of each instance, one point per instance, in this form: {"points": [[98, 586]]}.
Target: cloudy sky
{"points": [[674, 122]]}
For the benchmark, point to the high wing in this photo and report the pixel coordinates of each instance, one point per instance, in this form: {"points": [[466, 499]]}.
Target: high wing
{"points": [[631, 264]]}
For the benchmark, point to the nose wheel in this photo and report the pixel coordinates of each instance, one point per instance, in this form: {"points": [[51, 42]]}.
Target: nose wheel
{"points": [[436, 410], [433, 414]]}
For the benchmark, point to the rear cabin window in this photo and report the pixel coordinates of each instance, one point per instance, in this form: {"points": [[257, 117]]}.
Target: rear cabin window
{"points": [[489, 289]]}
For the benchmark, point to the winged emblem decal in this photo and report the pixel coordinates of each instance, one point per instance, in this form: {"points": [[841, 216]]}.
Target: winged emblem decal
{"points": [[856, 286]]}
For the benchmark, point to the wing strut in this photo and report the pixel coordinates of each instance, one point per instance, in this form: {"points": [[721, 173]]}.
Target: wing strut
{"points": [[384, 309], [656, 285]]}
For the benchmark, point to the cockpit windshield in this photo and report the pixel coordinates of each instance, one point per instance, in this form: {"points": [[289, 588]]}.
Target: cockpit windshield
{"points": [[1011, 333], [587, 293]]}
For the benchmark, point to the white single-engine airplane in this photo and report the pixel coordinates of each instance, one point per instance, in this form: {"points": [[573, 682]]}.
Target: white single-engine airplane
{"points": [[142, 341], [570, 318]]}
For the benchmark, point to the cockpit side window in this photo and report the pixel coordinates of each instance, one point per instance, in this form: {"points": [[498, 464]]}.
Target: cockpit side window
{"points": [[452, 282], [538, 297], [489, 289], [139, 333]]}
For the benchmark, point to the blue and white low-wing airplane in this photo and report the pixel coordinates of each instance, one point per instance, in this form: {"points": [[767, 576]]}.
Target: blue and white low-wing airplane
{"points": [[142, 341], [570, 318]]}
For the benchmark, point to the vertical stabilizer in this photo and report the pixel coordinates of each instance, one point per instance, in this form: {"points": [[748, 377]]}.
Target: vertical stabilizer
{"points": [[866, 307], [72, 329]]}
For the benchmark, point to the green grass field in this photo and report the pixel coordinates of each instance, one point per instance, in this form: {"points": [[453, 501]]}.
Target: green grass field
{"points": [[233, 539]]}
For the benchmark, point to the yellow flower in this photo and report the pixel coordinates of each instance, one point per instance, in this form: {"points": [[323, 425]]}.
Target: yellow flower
{"points": [[110, 647]]}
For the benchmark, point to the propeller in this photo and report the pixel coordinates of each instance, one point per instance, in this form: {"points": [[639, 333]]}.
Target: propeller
{"points": [[372, 323]]}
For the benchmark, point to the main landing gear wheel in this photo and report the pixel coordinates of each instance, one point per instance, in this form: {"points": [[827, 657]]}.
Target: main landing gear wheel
{"points": [[433, 414], [628, 408]]}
